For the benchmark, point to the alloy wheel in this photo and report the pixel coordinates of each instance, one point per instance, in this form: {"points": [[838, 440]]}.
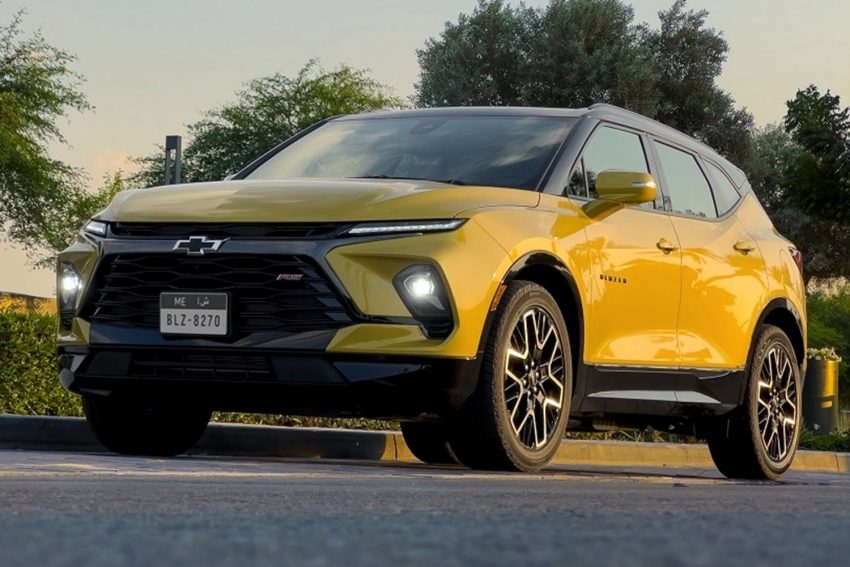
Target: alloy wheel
{"points": [[534, 378], [778, 401]]}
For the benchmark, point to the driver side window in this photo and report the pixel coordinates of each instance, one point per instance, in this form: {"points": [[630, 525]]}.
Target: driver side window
{"points": [[608, 148]]}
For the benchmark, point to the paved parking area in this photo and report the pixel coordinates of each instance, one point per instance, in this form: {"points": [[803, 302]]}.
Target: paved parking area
{"points": [[96, 509]]}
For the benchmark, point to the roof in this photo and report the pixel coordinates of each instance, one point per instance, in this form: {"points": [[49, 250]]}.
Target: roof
{"points": [[471, 111]]}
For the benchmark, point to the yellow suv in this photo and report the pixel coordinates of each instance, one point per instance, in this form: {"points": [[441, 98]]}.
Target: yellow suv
{"points": [[488, 276]]}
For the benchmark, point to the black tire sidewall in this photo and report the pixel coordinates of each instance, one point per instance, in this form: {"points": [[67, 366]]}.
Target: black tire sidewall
{"points": [[527, 295], [127, 427], [769, 337]]}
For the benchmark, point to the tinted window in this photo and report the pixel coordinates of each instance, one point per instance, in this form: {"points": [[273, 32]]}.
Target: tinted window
{"points": [[577, 185], [610, 148], [686, 185], [725, 194], [507, 151]]}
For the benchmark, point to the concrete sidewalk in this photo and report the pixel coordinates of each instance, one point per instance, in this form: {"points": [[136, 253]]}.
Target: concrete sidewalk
{"points": [[73, 434]]}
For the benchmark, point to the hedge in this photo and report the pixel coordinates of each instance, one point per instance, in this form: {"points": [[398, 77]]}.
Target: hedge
{"points": [[29, 381], [828, 313]]}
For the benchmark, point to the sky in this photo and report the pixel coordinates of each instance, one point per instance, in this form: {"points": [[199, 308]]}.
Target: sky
{"points": [[153, 66]]}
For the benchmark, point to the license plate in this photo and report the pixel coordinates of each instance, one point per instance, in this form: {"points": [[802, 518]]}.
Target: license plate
{"points": [[193, 313]]}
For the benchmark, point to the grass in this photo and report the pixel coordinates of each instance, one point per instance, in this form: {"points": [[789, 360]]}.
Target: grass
{"points": [[298, 421], [837, 441]]}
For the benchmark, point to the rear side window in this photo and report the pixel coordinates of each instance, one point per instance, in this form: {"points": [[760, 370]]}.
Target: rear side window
{"points": [[725, 194], [687, 187], [608, 148]]}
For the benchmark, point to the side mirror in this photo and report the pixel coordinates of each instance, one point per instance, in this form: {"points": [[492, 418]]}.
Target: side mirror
{"points": [[627, 187]]}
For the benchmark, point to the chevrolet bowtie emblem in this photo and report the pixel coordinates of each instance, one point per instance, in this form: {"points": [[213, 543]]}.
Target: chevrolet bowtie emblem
{"points": [[198, 245]]}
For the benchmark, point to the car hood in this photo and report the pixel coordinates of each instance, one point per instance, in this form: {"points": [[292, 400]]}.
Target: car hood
{"points": [[307, 200]]}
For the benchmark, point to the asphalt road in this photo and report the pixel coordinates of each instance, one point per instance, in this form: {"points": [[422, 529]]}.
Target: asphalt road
{"points": [[87, 509]]}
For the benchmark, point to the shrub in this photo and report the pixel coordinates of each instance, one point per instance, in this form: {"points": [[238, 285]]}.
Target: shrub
{"points": [[829, 326], [837, 441], [28, 373]]}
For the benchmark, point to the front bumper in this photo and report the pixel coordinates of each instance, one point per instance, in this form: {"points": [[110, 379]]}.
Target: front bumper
{"points": [[380, 363], [272, 381], [361, 270]]}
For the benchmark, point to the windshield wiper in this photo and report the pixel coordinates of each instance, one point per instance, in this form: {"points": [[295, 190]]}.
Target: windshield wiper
{"points": [[448, 181]]}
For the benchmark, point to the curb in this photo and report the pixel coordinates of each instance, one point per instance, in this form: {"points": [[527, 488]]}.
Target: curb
{"points": [[73, 434]]}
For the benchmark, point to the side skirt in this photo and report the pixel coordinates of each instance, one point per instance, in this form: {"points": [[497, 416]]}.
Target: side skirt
{"points": [[660, 391]]}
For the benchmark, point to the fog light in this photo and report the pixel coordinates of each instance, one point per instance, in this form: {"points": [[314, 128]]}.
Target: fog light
{"points": [[425, 295], [69, 285], [420, 285]]}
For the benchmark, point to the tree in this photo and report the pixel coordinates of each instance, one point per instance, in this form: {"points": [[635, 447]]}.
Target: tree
{"points": [[689, 58], [480, 61], [37, 86], [819, 182], [573, 53], [772, 170], [587, 51], [266, 112]]}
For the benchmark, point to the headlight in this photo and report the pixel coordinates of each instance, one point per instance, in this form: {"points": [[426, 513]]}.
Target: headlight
{"points": [[68, 287], [98, 228], [399, 227], [425, 295]]}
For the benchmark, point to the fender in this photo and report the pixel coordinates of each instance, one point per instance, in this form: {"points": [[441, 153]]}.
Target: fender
{"points": [[780, 304], [574, 312]]}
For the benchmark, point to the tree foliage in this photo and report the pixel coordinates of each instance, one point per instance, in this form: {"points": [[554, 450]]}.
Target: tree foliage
{"points": [[573, 53], [689, 58], [587, 51], [266, 112], [37, 87], [819, 179], [778, 170]]}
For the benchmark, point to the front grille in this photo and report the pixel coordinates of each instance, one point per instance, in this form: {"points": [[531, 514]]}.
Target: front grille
{"points": [[128, 287], [314, 230], [205, 366]]}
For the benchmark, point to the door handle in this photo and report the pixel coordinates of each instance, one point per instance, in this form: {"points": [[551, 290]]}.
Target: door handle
{"points": [[744, 247], [666, 246]]}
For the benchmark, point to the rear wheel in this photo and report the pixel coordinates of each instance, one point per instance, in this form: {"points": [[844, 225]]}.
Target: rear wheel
{"points": [[517, 416], [759, 439], [428, 442], [131, 428]]}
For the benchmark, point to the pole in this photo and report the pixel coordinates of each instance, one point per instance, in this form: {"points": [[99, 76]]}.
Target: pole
{"points": [[174, 143]]}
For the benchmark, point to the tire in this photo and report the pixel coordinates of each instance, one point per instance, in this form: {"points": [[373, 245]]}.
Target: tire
{"points": [[129, 428], [745, 444], [511, 421], [428, 442]]}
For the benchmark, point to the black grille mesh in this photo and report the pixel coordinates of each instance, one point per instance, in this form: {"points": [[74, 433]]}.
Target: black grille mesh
{"points": [[128, 287], [203, 366]]}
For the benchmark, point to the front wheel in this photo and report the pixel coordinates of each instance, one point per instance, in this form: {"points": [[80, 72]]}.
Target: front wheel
{"points": [[428, 442], [517, 416], [759, 439], [131, 428]]}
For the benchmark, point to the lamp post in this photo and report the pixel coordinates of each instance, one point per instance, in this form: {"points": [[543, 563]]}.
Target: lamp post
{"points": [[173, 144]]}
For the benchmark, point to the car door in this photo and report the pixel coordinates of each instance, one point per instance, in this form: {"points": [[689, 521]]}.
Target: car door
{"points": [[723, 272], [635, 261]]}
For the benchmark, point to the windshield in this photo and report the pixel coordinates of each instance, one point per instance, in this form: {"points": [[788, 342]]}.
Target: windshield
{"points": [[505, 151]]}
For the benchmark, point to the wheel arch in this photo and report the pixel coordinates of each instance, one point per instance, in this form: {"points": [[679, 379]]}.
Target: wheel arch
{"points": [[550, 272], [781, 312]]}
